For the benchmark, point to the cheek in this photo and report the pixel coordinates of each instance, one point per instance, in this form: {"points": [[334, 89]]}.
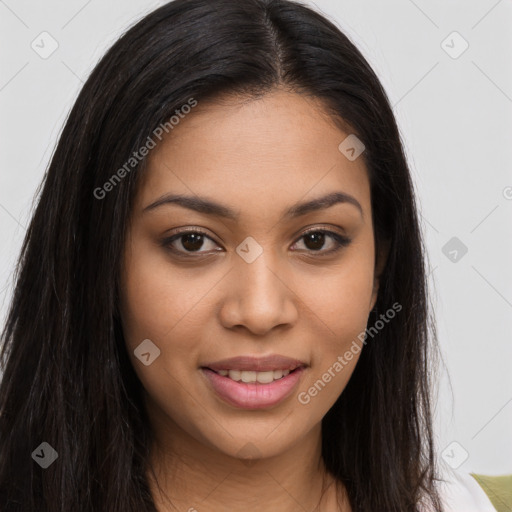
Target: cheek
{"points": [[156, 305], [169, 306], [160, 299], [334, 357], [340, 298], [339, 306]]}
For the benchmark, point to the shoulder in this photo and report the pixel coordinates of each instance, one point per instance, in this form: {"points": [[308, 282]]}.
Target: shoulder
{"points": [[461, 492]]}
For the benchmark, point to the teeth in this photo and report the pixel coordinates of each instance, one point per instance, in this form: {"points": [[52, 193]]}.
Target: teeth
{"points": [[265, 377], [235, 374], [250, 376]]}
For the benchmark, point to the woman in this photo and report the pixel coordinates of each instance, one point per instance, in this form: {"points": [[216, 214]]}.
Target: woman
{"points": [[221, 298]]}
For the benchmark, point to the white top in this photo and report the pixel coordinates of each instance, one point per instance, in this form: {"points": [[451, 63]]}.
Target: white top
{"points": [[462, 493]]}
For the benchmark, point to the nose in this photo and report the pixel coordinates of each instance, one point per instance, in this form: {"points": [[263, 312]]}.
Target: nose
{"points": [[259, 297]]}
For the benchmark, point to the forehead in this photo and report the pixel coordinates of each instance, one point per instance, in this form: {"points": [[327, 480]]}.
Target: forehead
{"points": [[253, 155]]}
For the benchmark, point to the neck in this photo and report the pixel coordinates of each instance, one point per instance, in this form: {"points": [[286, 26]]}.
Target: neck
{"points": [[187, 475]]}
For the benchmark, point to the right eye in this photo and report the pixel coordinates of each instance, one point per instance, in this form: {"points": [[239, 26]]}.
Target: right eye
{"points": [[188, 241]]}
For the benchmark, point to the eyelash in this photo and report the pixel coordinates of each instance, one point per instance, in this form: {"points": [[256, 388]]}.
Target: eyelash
{"points": [[341, 242]]}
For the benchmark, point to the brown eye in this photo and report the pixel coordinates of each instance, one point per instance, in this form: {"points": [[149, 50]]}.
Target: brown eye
{"points": [[191, 241], [315, 240]]}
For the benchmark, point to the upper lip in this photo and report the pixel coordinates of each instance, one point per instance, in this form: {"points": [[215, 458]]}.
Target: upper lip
{"points": [[257, 364]]}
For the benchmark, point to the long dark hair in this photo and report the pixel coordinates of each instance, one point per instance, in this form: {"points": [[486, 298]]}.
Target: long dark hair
{"points": [[67, 379]]}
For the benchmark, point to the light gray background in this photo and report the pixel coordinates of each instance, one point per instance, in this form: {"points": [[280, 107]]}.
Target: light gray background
{"points": [[455, 116]]}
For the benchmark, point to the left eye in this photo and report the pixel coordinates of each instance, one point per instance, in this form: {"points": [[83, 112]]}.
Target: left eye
{"points": [[193, 240], [316, 240]]}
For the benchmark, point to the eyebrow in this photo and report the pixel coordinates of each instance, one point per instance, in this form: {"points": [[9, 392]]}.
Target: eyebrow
{"points": [[209, 207]]}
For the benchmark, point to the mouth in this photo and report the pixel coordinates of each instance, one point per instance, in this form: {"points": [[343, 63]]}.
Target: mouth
{"points": [[254, 383]]}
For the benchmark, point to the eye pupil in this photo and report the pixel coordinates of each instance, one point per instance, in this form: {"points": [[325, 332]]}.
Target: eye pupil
{"points": [[192, 241], [318, 239]]}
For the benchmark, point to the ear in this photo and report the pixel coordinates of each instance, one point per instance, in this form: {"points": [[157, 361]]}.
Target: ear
{"points": [[380, 263]]}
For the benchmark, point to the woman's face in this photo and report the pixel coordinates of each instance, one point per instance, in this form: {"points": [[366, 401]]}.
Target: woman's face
{"points": [[251, 285]]}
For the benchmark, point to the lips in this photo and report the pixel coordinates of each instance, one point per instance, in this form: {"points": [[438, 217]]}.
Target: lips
{"points": [[248, 382]]}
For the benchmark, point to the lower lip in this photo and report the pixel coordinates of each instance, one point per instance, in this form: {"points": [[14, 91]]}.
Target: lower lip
{"points": [[253, 395]]}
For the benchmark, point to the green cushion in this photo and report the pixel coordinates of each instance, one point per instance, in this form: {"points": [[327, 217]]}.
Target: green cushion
{"points": [[498, 489]]}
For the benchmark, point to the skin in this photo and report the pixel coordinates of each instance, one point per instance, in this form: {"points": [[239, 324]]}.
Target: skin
{"points": [[257, 157]]}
